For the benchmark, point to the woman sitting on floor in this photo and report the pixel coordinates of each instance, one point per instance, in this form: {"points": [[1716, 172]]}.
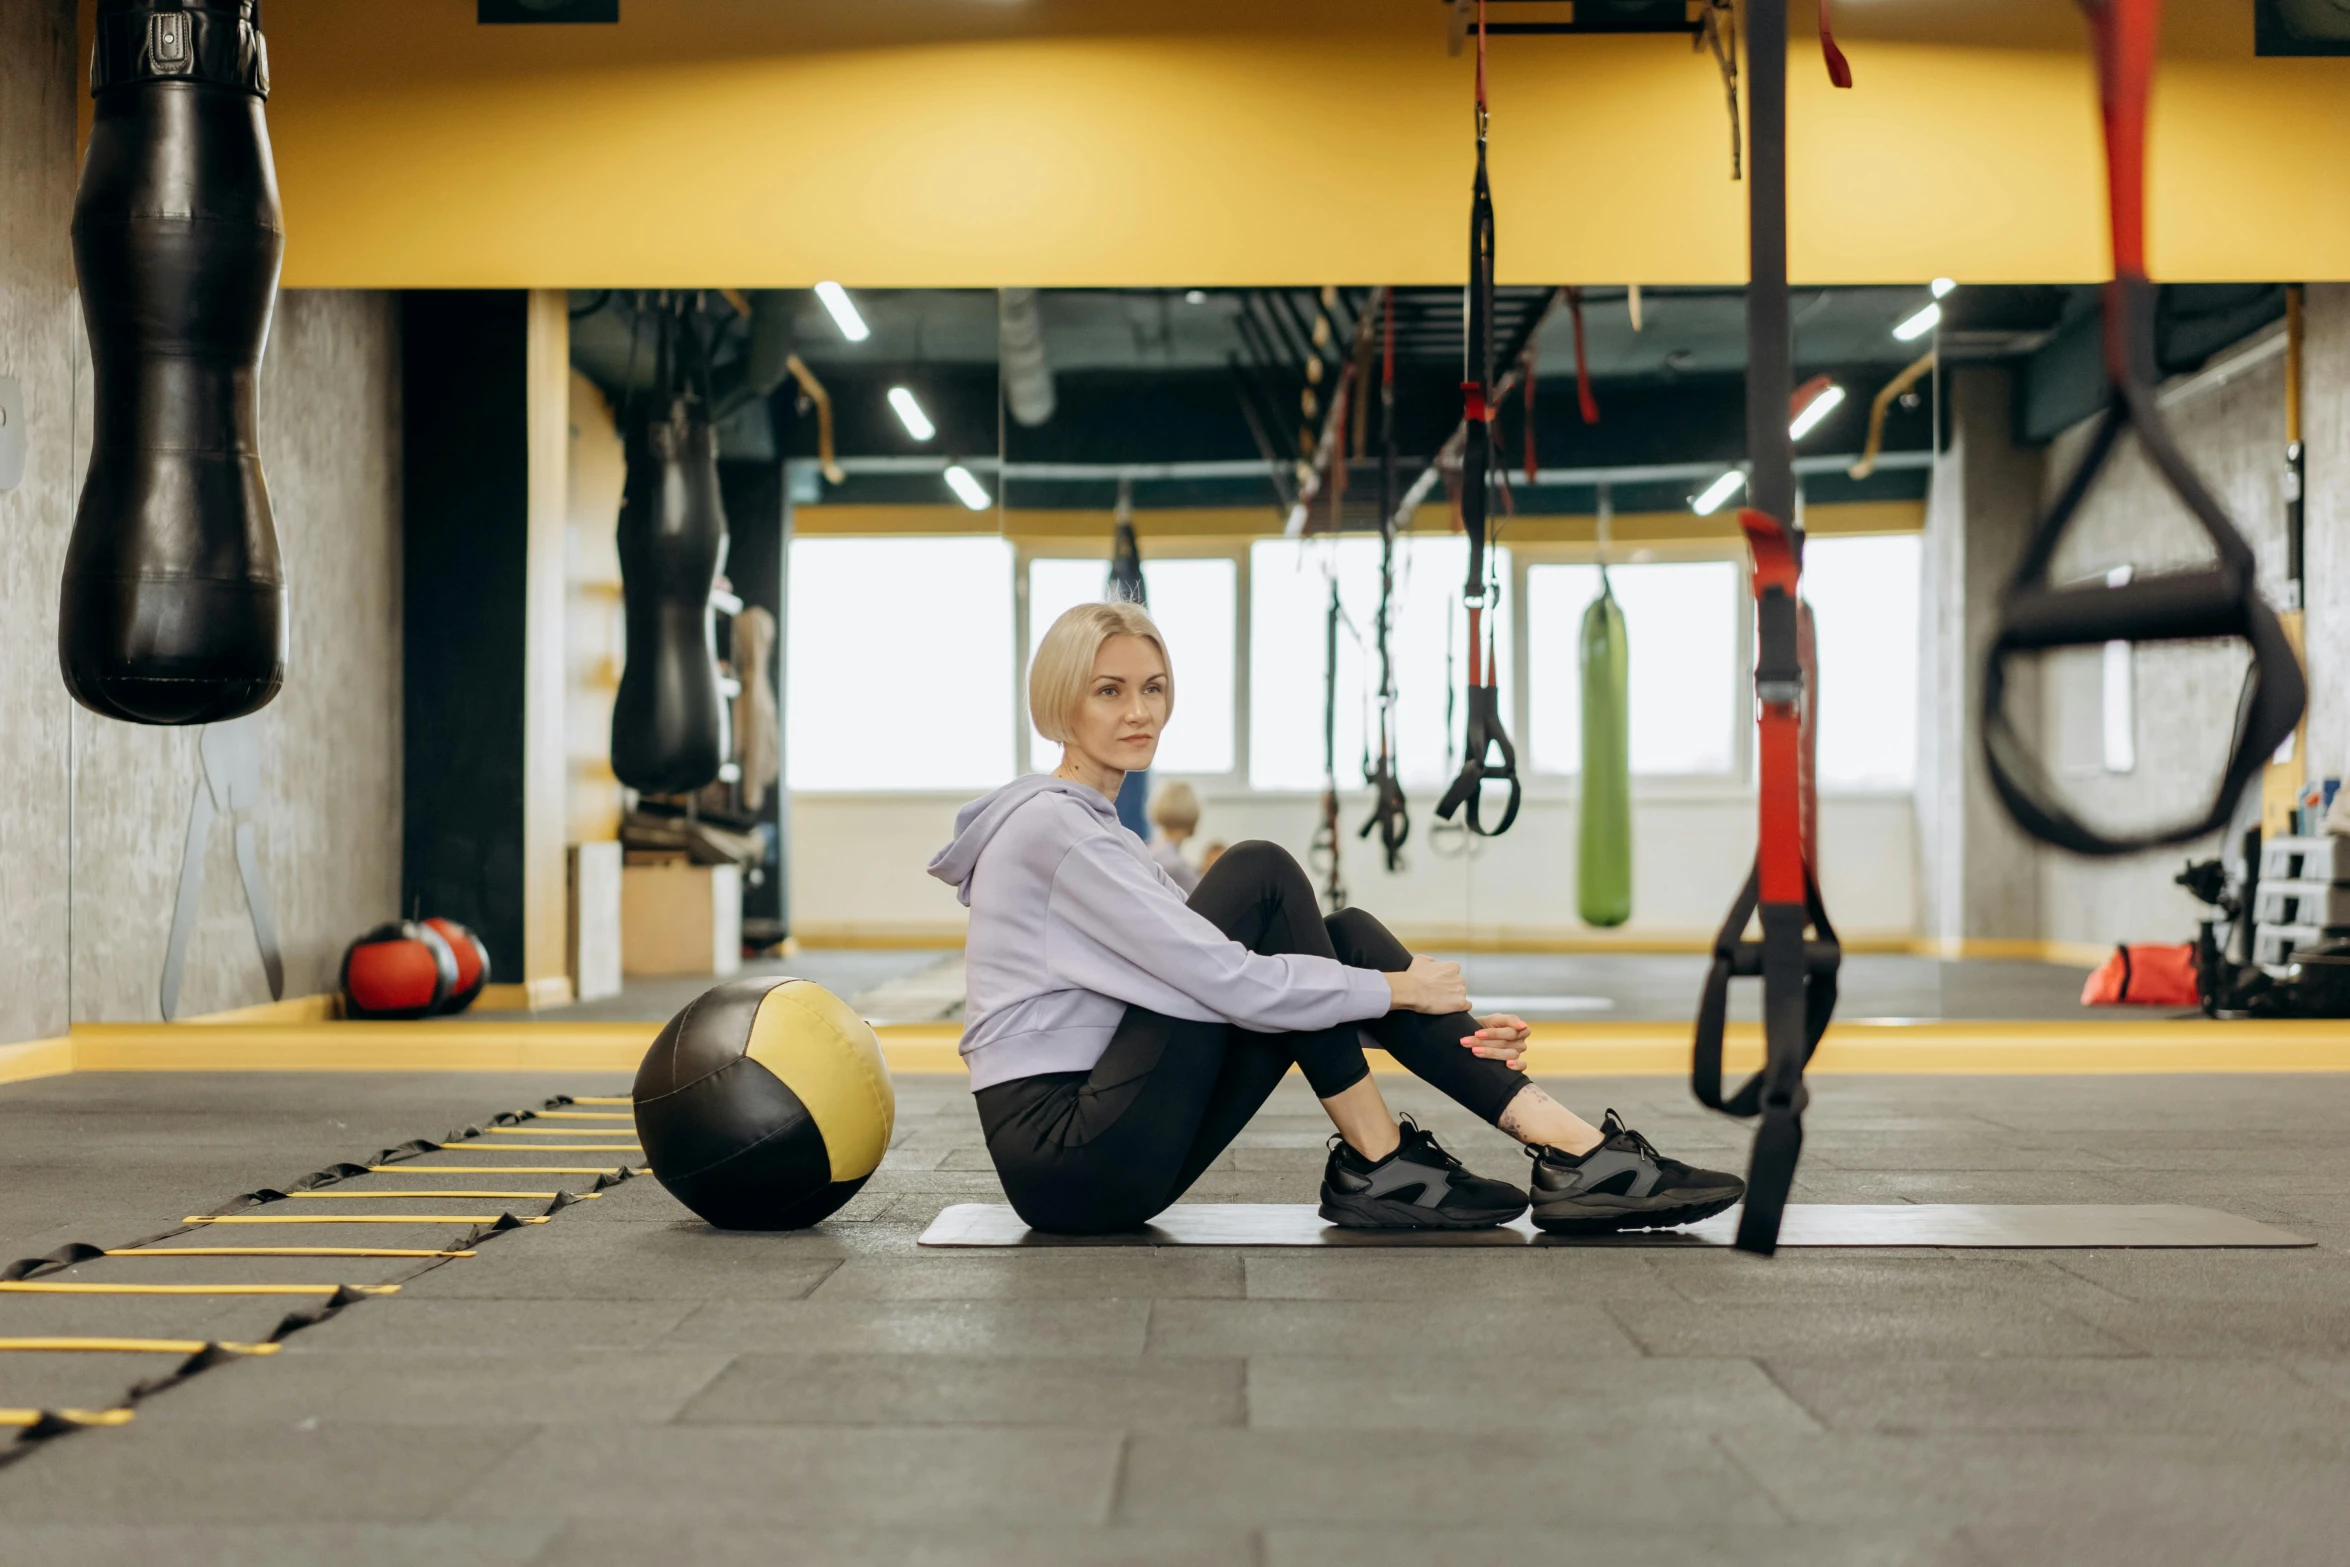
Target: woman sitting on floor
{"points": [[1119, 1037]]}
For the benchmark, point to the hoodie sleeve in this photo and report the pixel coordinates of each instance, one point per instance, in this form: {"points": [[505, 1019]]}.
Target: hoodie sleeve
{"points": [[1118, 928]]}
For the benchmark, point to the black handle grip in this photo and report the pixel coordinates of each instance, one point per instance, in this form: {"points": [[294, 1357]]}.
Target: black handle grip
{"points": [[2173, 607]]}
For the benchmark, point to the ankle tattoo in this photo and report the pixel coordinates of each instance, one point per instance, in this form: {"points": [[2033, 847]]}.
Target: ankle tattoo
{"points": [[1527, 1103]]}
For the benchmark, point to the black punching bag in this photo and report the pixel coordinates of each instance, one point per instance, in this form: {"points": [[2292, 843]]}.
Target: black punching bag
{"points": [[174, 606], [669, 718]]}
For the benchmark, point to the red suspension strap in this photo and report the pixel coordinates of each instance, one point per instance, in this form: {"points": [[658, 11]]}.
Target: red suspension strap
{"points": [[2222, 600], [1798, 971]]}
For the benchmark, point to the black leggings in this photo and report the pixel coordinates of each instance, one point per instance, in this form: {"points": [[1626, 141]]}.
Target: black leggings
{"points": [[1088, 1152]]}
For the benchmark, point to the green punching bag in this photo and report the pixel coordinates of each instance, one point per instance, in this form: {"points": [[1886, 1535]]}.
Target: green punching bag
{"points": [[1603, 861]]}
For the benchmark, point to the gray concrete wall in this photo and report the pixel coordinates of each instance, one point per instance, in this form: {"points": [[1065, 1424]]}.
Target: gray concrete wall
{"points": [[2325, 433], [1978, 875], [2184, 695], [93, 813]]}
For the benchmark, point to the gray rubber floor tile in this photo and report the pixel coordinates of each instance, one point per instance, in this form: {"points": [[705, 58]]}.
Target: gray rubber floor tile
{"points": [[433, 1389], [1292, 1477], [2290, 1328], [1554, 1275], [1822, 1184], [2247, 1276], [495, 1327], [1031, 1477], [141, 1316], [1663, 1545], [1528, 1390], [1960, 1326], [1045, 1273], [1998, 1480], [1408, 1330], [972, 1390], [1834, 1279], [2174, 1395], [624, 1544], [2259, 1537], [81, 1380], [156, 1268], [1908, 1153], [947, 1327], [473, 1542], [688, 1261], [222, 1472]]}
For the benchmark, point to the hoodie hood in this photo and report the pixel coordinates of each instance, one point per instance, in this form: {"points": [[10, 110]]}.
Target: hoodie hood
{"points": [[977, 823]]}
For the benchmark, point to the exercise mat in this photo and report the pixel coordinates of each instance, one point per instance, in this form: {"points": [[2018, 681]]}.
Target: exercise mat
{"points": [[2074, 1226]]}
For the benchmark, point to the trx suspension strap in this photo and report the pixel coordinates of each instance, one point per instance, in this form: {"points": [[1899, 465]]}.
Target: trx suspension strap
{"points": [[2222, 600], [1388, 814], [1798, 975], [1323, 855], [1484, 734]]}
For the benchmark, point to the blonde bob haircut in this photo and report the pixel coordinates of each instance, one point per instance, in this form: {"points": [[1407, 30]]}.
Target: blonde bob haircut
{"points": [[1063, 666]]}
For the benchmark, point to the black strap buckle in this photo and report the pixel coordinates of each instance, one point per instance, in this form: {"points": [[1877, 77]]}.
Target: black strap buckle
{"points": [[1389, 816]]}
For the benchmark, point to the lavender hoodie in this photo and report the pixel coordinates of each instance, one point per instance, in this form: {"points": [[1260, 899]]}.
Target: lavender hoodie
{"points": [[1071, 922]]}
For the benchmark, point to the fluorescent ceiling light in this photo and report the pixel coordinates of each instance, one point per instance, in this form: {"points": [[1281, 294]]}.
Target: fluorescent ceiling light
{"points": [[844, 312], [1814, 411], [1717, 492], [910, 414], [1920, 324], [1943, 285], [966, 488]]}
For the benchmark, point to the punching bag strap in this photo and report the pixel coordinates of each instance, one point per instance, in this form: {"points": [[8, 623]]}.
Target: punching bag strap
{"points": [[219, 48]]}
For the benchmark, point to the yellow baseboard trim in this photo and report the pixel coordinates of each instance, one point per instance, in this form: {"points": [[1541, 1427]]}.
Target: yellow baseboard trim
{"points": [[21, 1063], [324, 1007], [537, 995], [2131, 1046]]}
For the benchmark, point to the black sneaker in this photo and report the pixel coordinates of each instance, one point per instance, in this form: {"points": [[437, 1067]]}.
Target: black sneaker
{"points": [[1624, 1184], [1417, 1187]]}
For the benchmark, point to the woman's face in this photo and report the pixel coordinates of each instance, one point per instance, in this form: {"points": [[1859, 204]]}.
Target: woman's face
{"points": [[1125, 706]]}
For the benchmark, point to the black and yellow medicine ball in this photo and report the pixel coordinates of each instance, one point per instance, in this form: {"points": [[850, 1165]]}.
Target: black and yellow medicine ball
{"points": [[765, 1104]]}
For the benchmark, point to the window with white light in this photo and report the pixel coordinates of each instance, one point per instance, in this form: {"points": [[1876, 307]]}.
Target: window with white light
{"points": [[921, 624], [1194, 604], [1289, 606], [1681, 642], [1864, 600]]}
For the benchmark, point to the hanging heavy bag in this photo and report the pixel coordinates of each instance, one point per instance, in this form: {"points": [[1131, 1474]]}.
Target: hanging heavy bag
{"points": [[173, 608], [1603, 855], [668, 719]]}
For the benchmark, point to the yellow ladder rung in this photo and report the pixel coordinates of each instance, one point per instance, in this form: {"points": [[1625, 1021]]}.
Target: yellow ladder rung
{"points": [[348, 1218], [601, 1099], [38, 1287], [552, 1131], [79, 1417], [471, 1196], [621, 1148], [579, 1115], [501, 1169], [129, 1346], [283, 1251]]}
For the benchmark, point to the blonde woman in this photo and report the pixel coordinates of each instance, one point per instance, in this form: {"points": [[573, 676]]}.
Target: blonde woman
{"points": [[1119, 1037], [1175, 813]]}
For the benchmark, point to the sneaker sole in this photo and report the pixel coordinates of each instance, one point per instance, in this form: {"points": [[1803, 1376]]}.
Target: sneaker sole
{"points": [[1585, 1221], [1380, 1213]]}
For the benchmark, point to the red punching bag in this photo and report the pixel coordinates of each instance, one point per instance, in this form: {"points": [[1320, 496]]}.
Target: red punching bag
{"points": [[173, 609]]}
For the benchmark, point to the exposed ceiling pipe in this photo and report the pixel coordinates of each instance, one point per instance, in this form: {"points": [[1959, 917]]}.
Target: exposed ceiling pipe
{"points": [[1028, 376]]}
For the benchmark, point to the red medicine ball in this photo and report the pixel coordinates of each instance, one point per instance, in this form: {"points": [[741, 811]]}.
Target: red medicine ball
{"points": [[400, 970], [473, 962]]}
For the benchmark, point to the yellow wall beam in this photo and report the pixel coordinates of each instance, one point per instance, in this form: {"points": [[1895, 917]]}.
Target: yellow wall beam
{"points": [[1120, 142]]}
